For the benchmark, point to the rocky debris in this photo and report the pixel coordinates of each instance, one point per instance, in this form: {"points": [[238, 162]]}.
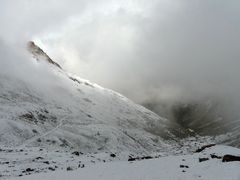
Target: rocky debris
{"points": [[88, 84], [113, 155], [69, 168], [89, 116], [64, 142], [77, 153], [183, 166], [204, 147], [213, 156], [203, 159], [28, 116], [64, 160], [42, 117], [39, 116], [81, 166], [74, 79], [140, 158], [29, 170], [5, 162], [38, 158], [35, 131], [51, 169], [230, 158]]}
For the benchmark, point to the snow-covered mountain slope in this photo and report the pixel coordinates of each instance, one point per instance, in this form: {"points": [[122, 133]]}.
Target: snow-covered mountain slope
{"points": [[206, 165], [51, 120], [39, 54], [51, 108]]}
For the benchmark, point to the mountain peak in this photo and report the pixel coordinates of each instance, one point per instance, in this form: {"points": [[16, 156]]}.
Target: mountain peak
{"points": [[39, 54]]}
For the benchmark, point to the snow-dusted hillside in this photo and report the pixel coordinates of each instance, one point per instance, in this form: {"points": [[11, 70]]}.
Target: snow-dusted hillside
{"points": [[51, 108], [51, 120]]}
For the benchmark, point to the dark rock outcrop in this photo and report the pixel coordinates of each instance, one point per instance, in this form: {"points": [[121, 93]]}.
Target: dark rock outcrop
{"points": [[39, 54], [140, 158], [203, 159], [230, 158], [204, 147]]}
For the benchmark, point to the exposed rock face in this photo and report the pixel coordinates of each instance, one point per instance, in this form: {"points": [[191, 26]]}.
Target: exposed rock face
{"points": [[204, 147], [39, 54], [229, 158]]}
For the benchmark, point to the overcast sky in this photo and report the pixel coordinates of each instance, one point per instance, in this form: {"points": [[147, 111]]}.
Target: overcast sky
{"points": [[145, 49]]}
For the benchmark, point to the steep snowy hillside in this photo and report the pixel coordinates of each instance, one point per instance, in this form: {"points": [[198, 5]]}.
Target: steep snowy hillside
{"points": [[55, 109], [52, 120]]}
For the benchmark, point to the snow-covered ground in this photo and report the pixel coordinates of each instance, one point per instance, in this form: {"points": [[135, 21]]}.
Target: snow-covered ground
{"points": [[17, 161], [184, 167]]}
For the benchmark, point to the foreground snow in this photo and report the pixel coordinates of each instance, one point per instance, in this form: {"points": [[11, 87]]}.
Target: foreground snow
{"points": [[167, 168]]}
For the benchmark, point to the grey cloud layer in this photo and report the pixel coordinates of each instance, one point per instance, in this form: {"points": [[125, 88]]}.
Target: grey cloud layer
{"points": [[144, 49]]}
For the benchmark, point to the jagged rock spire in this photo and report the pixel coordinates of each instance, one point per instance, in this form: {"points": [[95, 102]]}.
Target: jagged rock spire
{"points": [[39, 54]]}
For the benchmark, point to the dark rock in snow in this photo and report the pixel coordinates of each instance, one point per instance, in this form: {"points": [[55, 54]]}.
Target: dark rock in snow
{"points": [[29, 170], [131, 158], [51, 169], [204, 147], [28, 116], [230, 158], [203, 159], [113, 155], [34, 131], [184, 166], [5, 162], [213, 156], [139, 158], [38, 158], [81, 166], [89, 116], [147, 157], [69, 168], [76, 153]]}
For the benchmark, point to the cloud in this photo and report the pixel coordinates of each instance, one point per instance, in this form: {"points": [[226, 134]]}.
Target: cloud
{"points": [[156, 48], [21, 20], [151, 51]]}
